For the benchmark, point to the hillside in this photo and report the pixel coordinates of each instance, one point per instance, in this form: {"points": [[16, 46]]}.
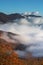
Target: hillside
{"points": [[9, 57]]}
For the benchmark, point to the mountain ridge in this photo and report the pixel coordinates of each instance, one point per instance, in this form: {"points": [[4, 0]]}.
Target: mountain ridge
{"points": [[13, 16]]}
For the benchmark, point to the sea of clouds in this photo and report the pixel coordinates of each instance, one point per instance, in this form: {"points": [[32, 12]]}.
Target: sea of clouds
{"points": [[31, 34]]}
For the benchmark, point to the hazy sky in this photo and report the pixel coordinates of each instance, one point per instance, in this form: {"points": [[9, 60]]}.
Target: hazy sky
{"points": [[11, 6]]}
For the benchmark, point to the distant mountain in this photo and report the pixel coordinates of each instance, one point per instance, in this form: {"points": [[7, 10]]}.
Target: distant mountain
{"points": [[3, 18], [11, 17], [6, 18], [32, 16]]}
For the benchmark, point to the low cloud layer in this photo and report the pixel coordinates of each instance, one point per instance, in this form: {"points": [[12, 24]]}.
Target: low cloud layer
{"points": [[31, 33]]}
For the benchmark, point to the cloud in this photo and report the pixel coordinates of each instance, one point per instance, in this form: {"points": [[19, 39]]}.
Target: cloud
{"points": [[30, 34], [35, 13]]}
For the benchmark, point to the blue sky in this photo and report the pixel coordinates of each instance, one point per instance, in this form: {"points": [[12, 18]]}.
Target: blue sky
{"points": [[11, 6]]}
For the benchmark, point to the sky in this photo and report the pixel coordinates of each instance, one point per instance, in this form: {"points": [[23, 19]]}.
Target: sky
{"points": [[12, 6]]}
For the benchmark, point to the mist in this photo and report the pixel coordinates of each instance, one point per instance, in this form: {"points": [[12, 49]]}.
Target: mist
{"points": [[31, 33]]}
